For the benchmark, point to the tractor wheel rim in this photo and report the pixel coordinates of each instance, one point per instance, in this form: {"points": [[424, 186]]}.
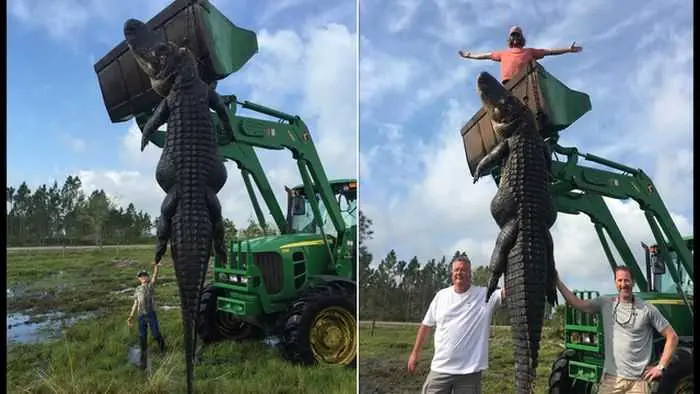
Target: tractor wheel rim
{"points": [[333, 337], [685, 386]]}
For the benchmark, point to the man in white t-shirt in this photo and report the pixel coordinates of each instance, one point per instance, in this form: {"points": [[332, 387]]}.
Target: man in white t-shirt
{"points": [[461, 316]]}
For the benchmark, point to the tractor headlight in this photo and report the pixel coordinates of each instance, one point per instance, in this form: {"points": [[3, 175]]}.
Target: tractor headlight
{"points": [[238, 279]]}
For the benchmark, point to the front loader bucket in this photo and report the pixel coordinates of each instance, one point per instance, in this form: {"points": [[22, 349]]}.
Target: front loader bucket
{"points": [[220, 47], [542, 93]]}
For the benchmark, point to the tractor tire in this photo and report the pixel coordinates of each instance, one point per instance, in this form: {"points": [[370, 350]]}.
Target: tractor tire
{"points": [[678, 376], [559, 380], [215, 326], [320, 326]]}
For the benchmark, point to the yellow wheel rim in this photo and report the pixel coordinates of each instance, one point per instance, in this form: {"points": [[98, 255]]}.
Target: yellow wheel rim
{"points": [[333, 336]]}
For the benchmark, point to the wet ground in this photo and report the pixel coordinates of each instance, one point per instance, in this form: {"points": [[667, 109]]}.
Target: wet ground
{"points": [[25, 328], [385, 376]]}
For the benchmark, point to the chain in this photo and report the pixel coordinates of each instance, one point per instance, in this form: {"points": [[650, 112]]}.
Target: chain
{"points": [[632, 314], [540, 111]]}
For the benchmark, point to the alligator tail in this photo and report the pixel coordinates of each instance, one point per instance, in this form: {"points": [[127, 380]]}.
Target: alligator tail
{"points": [[192, 238], [525, 285]]}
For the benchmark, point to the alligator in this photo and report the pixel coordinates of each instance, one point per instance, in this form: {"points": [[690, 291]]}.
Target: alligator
{"points": [[524, 211], [189, 170]]}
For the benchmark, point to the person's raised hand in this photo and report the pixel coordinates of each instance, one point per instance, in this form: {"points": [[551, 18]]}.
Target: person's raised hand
{"points": [[574, 48]]}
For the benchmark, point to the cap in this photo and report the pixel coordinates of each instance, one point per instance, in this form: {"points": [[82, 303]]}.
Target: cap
{"points": [[141, 273], [515, 29]]}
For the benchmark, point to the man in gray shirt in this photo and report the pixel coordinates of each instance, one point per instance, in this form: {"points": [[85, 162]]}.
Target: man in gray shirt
{"points": [[627, 322]]}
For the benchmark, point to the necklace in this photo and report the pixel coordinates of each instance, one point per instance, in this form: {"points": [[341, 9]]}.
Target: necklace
{"points": [[632, 314]]}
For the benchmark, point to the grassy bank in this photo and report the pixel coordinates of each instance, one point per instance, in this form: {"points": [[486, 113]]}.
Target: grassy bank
{"points": [[383, 358], [92, 355]]}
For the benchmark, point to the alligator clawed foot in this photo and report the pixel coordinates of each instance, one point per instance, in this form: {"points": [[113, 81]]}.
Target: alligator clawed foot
{"points": [[144, 142]]}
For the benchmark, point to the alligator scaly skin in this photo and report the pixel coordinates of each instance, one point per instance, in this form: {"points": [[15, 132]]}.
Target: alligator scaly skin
{"points": [[524, 211], [189, 170]]}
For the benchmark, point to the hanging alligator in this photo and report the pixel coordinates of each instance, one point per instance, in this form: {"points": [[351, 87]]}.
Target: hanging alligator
{"points": [[523, 209], [189, 170]]}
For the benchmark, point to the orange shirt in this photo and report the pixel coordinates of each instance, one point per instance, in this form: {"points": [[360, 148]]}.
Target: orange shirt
{"points": [[514, 59]]}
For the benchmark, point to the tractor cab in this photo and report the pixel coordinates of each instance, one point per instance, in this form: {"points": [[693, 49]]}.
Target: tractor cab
{"points": [[659, 278], [300, 217]]}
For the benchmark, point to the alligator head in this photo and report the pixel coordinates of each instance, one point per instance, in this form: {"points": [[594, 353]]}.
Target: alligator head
{"points": [[506, 111], [161, 60]]}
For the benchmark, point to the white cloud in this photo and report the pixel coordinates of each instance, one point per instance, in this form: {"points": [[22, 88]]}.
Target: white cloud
{"points": [[445, 212], [77, 145], [401, 14], [382, 73], [135, 182], [649, 126], [443, 203], [60, 19], [277, 8], [312, 74], [130, 150], [64, 20], [315, 69]]}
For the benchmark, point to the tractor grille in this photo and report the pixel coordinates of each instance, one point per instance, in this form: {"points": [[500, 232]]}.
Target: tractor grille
{"points": [[270, 264]]}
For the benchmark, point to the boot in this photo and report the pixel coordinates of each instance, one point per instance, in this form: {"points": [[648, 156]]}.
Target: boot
{"points": [[144, 353], [161, 344]]}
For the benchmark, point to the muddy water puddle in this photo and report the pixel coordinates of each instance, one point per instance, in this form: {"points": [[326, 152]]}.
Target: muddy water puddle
{"points": [[23, 328]]}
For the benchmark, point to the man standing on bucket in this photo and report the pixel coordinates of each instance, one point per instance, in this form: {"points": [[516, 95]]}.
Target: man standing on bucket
{"points": [[145, 306], [461, 319], [516, 56]]}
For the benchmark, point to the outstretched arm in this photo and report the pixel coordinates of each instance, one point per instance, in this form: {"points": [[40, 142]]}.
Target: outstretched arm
{"points": [[559, 51], [476, 56], [582, 305], [156, 266]]}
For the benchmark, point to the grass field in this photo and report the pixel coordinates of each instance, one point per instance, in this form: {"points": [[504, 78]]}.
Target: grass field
{"points": [[384, 355], [91, 356]]}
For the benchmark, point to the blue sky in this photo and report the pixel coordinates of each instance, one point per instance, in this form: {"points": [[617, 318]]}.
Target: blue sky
{"points": [[416, 94], [57, 123]]}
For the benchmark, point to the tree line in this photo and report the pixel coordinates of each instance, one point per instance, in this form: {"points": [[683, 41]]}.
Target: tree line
{"points": [[398, 290], [66, 215]]}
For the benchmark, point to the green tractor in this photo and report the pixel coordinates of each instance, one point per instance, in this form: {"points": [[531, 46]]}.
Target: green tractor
{"points": [[668, 283], [578, 368], [299, 284]]}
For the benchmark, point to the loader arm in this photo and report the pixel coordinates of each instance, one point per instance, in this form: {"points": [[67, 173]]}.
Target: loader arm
{"points": [[248, 163], [628, 183], [593, 205], [287, 132]]}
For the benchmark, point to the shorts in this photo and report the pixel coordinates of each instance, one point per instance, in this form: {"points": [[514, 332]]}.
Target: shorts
{"points": [[442, 383], [610, 384]]}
